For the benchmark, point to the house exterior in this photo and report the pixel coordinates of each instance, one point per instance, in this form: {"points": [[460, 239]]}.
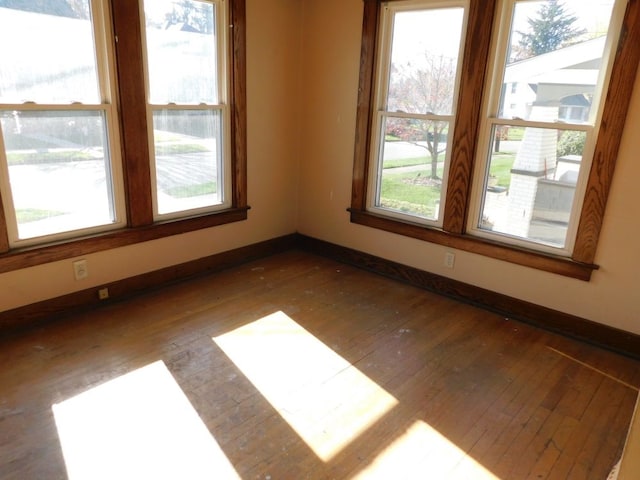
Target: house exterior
{"points": [[554, 86]]}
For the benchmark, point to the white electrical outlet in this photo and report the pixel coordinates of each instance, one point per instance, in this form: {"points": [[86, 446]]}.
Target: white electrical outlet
{"points": [[80, 269], [449, 259], [103, 293]]}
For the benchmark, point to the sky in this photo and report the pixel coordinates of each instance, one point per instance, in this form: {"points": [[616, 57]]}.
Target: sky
{"points": [[436, 30]]}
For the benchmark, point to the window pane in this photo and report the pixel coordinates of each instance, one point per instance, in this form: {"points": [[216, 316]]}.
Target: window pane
{"points": [[188, 159], [48, 54], [530, 184], [181, 51], [424, 61], [554, 59], [59, 171], [411, 170]]}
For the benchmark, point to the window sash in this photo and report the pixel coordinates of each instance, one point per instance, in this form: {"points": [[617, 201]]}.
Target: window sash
{"points": [[223, 163], [112, 205], [382, 91], [377, 175], [220, 155]]}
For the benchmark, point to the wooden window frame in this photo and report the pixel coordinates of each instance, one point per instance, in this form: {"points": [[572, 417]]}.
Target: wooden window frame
{"points": [[132, 116], [474, 66]]}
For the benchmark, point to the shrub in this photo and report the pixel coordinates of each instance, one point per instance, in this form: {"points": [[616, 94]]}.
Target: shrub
{"points": [[571, 143]]}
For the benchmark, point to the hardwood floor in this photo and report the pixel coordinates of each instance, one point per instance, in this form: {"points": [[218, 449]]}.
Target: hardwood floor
{"points": [[301, 367]]}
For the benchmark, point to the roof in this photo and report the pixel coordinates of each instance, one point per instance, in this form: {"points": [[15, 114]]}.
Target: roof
{"points": [[559, 66]]}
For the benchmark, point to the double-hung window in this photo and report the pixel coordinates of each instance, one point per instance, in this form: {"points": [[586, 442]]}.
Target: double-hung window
{"points": [[187, 104], [416, 97], [60, 172], [493, 126], [544, 103]]}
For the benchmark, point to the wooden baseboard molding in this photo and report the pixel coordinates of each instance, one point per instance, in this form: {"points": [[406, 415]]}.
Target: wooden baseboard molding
{"points": [[29, 316], [582, 329]]}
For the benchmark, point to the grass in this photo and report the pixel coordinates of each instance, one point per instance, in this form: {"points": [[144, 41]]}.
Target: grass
{"points": [[26, 215], [178, 148], [186, 191], [501, 165], [411, 192], [161, 136], [35, 158]]}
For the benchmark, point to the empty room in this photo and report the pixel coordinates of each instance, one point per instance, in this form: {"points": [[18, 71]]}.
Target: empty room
{"points": [[304, 239]]}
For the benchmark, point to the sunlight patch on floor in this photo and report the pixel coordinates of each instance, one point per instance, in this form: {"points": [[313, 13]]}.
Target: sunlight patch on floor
{"points": [[422, 452], [325, 399], [139, 425]]}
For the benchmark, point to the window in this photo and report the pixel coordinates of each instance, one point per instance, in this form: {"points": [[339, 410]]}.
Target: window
{"points": [[120, 122], [528, 187], [416, 96], [513, 102], [187, 102], [60, 165]]}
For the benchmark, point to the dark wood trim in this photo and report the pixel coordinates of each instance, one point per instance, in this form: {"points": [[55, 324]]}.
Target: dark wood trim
{"points": [[29, 257], [238, 104], [29, 316], [512, 308], [364, 112], [476, 51], [614, 116], [585, 330], [508, 253], [136, 157], [4, 235]]}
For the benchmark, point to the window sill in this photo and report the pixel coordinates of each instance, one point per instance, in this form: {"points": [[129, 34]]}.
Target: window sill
{"points": [[41, 254], [540, 261]]}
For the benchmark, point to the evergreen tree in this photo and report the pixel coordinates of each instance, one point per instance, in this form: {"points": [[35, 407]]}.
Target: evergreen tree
{"points": [[551, 29]]}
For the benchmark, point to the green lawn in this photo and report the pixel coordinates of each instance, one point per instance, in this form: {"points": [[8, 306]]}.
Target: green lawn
{"points": [[30, 158], [501, 165], [186, 191], [410, 190]]}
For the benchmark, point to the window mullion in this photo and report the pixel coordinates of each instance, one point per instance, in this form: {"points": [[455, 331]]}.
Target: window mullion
{"points": [[4, 228], [364, 118], [473, 70], [4, 237], [4, 191], [133, 112], [237, 47]]}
